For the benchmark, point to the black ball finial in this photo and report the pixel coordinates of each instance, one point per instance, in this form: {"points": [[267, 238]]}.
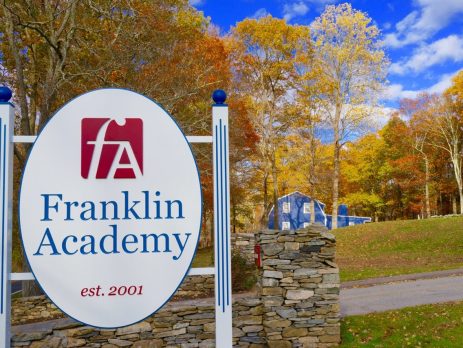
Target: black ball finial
{"points": [[219, 96], [5, 94]]}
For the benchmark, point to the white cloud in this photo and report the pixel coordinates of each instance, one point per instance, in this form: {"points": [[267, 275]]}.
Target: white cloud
{"points": [[262, 12], [381, 116], [421, 24], [296, 9], [397, 92], [197, 2], [387, 25], [444, 83], [301, 7], [449, 48]]}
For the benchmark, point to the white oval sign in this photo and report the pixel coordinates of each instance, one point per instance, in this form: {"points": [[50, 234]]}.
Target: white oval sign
{"points": [[110, 208]]}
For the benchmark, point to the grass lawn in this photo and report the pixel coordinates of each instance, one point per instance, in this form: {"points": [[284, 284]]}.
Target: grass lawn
{"points": [[438, 325], [390, 248], [399, 247], [204, 257]]}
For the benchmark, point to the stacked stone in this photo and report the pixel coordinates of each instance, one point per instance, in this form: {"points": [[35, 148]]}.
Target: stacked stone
{"points": [[248, 330], [244, 243], [33, 309], [177, 325], [298, 307], [300, 288], [198, 286]]}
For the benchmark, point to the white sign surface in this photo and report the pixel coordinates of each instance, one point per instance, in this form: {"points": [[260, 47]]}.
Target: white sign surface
{"points": [[110, 208]]}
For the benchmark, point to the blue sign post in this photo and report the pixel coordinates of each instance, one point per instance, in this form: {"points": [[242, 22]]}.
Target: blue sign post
{"points": [[6, 198], [223, 300]]}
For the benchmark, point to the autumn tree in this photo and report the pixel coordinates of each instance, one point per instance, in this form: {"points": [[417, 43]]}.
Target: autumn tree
{"points": [[351, 67], [450, 121], [165, 49], [415, 110], [264, 53], [446, 126], [364, 176]]}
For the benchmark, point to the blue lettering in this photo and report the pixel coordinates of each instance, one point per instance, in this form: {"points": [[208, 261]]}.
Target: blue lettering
{"points": [[180, 245], [131, 208], [68, 210], [155, 238], [51, 244], [112, 236], [104, 204], [125, 241], [169, 209], [47, 206], [90, 210], [90, 244], [64, 244]]}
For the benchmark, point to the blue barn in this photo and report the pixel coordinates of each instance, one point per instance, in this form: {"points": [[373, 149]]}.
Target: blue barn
{"points": [[294, 213]]}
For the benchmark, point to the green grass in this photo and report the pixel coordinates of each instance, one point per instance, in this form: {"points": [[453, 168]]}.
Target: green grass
{"points": [[438, 325], [204, 257], [390, 248], [399, 247]]}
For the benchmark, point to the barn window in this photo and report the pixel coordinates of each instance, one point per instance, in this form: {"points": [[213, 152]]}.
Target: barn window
{"points": [[286, 207], [306, 208], [285, 225]]}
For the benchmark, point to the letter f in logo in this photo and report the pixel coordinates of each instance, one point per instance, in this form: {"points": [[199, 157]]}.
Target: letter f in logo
{"points": [[111, 150]]}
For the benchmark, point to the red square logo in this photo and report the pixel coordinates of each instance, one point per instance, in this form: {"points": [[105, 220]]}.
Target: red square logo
{"points": [[110, 149]]}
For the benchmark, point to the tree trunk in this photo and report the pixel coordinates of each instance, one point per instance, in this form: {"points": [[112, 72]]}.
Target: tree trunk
{"points": [[440, 204], [211, 228], [454, 203], [336, 169], [312, 173], [29, 287], [276, 225], [336, 163], [19, 72], [426, 188], [457, 164], [312, 211], [233, 204], [264, 218], [461, 200]]}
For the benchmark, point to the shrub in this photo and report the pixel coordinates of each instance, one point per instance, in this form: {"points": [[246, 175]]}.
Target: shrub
{"points": [[244, 274]]}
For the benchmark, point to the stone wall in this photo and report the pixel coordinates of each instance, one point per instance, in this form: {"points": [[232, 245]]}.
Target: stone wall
{"points": [[198, 286], [244, 243], [298, 307], [300, 288], [184, 324], [32, 309], [203, 286]]}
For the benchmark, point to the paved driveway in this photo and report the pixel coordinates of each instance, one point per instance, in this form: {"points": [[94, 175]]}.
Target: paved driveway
{"points": [[385, 297]]}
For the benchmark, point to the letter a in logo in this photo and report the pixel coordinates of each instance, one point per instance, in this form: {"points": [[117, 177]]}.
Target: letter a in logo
{"points": [[112, 150]]}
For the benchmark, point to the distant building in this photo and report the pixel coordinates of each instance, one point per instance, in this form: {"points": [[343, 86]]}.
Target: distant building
{"points": [[294, 213]]}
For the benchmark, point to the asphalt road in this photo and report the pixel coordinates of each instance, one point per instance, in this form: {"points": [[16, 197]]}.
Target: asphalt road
{"points": [[379, 298]]}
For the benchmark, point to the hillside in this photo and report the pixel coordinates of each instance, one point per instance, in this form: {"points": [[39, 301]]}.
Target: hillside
{"points": [[399, 247]]}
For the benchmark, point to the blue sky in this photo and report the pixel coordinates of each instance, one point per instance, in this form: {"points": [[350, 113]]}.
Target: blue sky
{"points": [[422, 38]]}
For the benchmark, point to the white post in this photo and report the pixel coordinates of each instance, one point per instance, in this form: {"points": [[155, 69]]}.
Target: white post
{"points": [[222, 264], [6, 199]]}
